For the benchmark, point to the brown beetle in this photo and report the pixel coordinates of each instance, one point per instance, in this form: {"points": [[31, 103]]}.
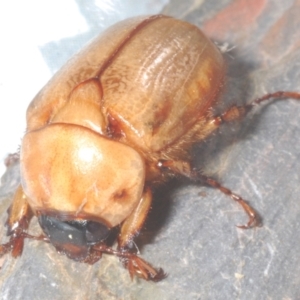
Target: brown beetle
{"points": [[115, 121]]}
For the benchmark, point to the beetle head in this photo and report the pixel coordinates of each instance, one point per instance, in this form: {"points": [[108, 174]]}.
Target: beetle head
{"points": [[74, 238], [79, 183]]}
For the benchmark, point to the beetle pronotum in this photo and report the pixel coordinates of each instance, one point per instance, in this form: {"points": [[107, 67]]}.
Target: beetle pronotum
{"points": [[118, 119]]}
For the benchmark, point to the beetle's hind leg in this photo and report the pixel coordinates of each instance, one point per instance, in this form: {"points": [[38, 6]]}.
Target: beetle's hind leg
{"points": [[235, 112], [254, 218], [184, 168]]}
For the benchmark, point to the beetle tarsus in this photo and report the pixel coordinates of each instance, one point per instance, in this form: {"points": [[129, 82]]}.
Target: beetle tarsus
{"points": [[183, 168], [140, 268], [279, 95], [254, 218], [16, 242], [14, 245], [133, 263], [5, 248]]}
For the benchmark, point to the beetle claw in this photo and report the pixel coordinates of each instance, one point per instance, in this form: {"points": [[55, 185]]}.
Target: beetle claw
{"points": [[135, 265], [254, 221], [140, 268], [4, 248], [14, 245]]}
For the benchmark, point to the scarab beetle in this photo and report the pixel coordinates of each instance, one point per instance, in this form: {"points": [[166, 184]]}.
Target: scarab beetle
{"points": [[118, 119]]}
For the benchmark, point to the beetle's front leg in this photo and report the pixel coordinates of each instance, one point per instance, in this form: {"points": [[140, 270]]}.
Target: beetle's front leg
{"points": [[19, 215], [129, 230], [184, 168]]}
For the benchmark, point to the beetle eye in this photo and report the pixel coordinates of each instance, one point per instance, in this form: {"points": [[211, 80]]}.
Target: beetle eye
{"points": [[73, 237]]}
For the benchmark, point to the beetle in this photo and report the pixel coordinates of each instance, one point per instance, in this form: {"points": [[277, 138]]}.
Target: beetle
{"points": [[116, 121]]}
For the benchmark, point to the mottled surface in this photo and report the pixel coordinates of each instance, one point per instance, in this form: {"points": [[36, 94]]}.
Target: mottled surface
{"points": [[191, 232]]}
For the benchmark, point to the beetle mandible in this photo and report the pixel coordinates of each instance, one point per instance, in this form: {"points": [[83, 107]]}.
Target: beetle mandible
{"points": [[117, 120]]}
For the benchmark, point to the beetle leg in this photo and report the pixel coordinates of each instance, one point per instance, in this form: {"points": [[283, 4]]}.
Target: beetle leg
{"points": [[132, 225], [235, 113], [129, 229], [254, 218], [19, 215], [135, 264], [184, 168]]}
